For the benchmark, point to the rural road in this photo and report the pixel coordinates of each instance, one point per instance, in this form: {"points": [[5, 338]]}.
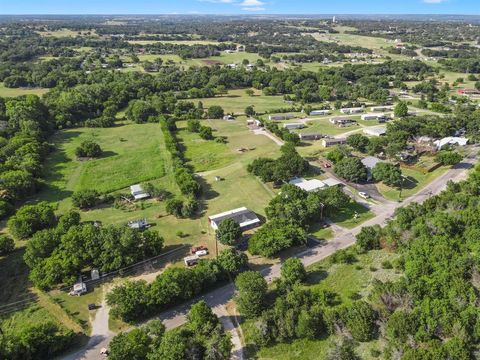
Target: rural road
{"points": [[218, 298]]}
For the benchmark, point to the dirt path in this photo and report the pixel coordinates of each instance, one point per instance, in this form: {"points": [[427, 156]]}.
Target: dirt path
{"points": [[100, 336]]}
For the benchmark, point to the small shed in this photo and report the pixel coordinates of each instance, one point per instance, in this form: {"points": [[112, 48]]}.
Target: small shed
{"points": [[138, 193], [95, 274]]}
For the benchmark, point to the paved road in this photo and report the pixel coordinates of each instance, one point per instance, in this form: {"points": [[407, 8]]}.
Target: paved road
{"points": [[218, 298]]}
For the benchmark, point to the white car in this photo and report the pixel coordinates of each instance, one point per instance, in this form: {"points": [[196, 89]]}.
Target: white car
{"points": [[201, 253], [364, 195]]}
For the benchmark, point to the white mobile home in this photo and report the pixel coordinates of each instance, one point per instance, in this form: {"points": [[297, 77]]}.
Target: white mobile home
{"points": [[292, 126], [356, 110], [381, 108], [319, 112], [373, 116], [281, 117]]}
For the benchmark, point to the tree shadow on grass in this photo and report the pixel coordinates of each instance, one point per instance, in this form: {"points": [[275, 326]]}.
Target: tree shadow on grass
{"points": [[409, 183], [14, 283]]}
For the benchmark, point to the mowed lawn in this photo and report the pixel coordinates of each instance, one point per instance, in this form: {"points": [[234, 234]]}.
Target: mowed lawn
{"points": [[238, 188], [13, 92], [417, 180], [133, 153], [325, 127], [236, 101], [206, 155]]}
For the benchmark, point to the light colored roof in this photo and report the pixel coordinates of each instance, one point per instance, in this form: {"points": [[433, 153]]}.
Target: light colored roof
{"points": [[370, 161], [375, 130], [461, 141], [332, 182], [243, 216], [136, 188], [308, 185]]}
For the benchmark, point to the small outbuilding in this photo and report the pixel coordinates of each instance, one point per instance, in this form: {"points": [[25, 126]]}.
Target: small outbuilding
{"points": [[138, 193]]}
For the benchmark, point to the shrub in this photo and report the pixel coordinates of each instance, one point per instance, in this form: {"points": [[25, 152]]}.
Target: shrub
{"points": [[88, 148], [7, 245], [86, 199]]}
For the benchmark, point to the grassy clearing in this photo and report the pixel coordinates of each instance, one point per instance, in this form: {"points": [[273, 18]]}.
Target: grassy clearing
{"points": [[32, 315], [13, 92], [77, 306], [236, 57], [67, 33], [417, 181], [132, 153], [239, 188], [323, 126], [352, 215], [177, 42], [236, 101]]}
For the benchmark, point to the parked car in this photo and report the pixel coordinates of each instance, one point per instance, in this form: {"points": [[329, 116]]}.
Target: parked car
{"points": [[364, 195], [198, 248], [92, 306], [201, 252]]}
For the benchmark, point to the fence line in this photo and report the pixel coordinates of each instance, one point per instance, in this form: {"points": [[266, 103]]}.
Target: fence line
{"points": [[128, 270]]}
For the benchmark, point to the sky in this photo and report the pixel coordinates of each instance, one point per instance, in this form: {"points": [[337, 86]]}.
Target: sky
{"points": [[464, 7]]}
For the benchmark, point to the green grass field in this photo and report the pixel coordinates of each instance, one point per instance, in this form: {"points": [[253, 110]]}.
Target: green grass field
{"points": [[238, 188], [132, 153], [418, 180], [236, 101], [324, 127], [13, 92], [352, 215]]}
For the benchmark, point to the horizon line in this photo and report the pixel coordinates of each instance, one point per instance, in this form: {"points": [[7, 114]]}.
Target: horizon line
{"points": [[241, 14]]}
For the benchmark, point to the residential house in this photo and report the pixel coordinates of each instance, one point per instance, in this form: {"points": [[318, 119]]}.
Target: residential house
{"points": [[292, 126], [320, 112], [375, 130], [333, 142], [247, 219]]}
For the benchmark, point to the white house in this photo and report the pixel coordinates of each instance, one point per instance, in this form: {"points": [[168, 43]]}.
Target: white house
{"points": [[372, 116], [314, 184], [451, 140], [138, 193], [356, 110], [281, 117], [319, 112], [247, 219]]}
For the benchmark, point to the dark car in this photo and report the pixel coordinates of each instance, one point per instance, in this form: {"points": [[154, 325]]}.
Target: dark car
{"points": [[92, 306]]}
